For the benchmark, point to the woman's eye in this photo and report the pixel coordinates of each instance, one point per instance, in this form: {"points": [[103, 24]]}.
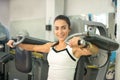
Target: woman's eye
{"points": [[63, 27]]}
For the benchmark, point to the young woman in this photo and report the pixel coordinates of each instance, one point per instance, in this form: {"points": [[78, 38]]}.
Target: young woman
{"points": [[62, 57]]}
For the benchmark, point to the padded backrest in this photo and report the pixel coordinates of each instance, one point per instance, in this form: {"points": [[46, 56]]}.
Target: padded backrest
{"points": [[80, 69], [23, 60]]}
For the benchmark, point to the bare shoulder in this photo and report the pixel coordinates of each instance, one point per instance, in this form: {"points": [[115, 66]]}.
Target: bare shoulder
{"points": [[43, 48], [49, 44]]}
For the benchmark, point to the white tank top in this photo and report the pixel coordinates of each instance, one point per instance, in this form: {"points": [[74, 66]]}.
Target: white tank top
{"points": [[62, 64]]}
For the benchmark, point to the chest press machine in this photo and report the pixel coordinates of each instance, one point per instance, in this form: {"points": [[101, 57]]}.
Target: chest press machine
{"points": [[94, 67], [88, 68], [94, 64]]}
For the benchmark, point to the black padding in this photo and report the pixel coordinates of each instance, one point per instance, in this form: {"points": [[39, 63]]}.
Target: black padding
{"points": [[5, 57], [40, 69], [31, 40], [80, 69], [103, 42], [23, 60]]}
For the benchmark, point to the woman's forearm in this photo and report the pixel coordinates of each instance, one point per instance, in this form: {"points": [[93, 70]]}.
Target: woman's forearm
{"points": [[28, 47], [92, 48]]}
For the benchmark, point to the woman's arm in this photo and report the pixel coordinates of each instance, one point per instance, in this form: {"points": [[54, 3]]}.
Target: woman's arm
{"points": [[89, 50], [37, 48], [31, 47], [79, 50]]}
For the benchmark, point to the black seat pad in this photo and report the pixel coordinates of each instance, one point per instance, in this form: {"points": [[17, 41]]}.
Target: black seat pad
{"points": [[23, 60]]}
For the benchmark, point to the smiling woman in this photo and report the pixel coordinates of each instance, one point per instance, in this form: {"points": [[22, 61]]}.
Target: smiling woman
{"points": [[62, 57], [62, 28]]}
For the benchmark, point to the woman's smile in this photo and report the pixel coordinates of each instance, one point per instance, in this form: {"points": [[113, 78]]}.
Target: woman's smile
{"points": [[61, 29]]}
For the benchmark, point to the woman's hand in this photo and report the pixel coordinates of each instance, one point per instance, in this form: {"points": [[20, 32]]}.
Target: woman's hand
{"points": [[10, 43], [74, 41]]}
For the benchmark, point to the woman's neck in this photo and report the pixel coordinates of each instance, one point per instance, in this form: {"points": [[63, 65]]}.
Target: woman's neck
{"points": [[61, 45]]}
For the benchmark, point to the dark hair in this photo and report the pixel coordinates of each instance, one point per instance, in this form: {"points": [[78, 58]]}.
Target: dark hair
{"points": [[65, 18]]}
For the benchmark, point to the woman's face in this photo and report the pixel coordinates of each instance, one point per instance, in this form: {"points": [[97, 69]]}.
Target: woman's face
{"points": [[61, 29]]}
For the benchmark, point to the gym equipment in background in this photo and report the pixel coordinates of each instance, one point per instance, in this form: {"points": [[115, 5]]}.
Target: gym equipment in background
{"points": [[97, 64], [4, 55], [27, 62]]}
